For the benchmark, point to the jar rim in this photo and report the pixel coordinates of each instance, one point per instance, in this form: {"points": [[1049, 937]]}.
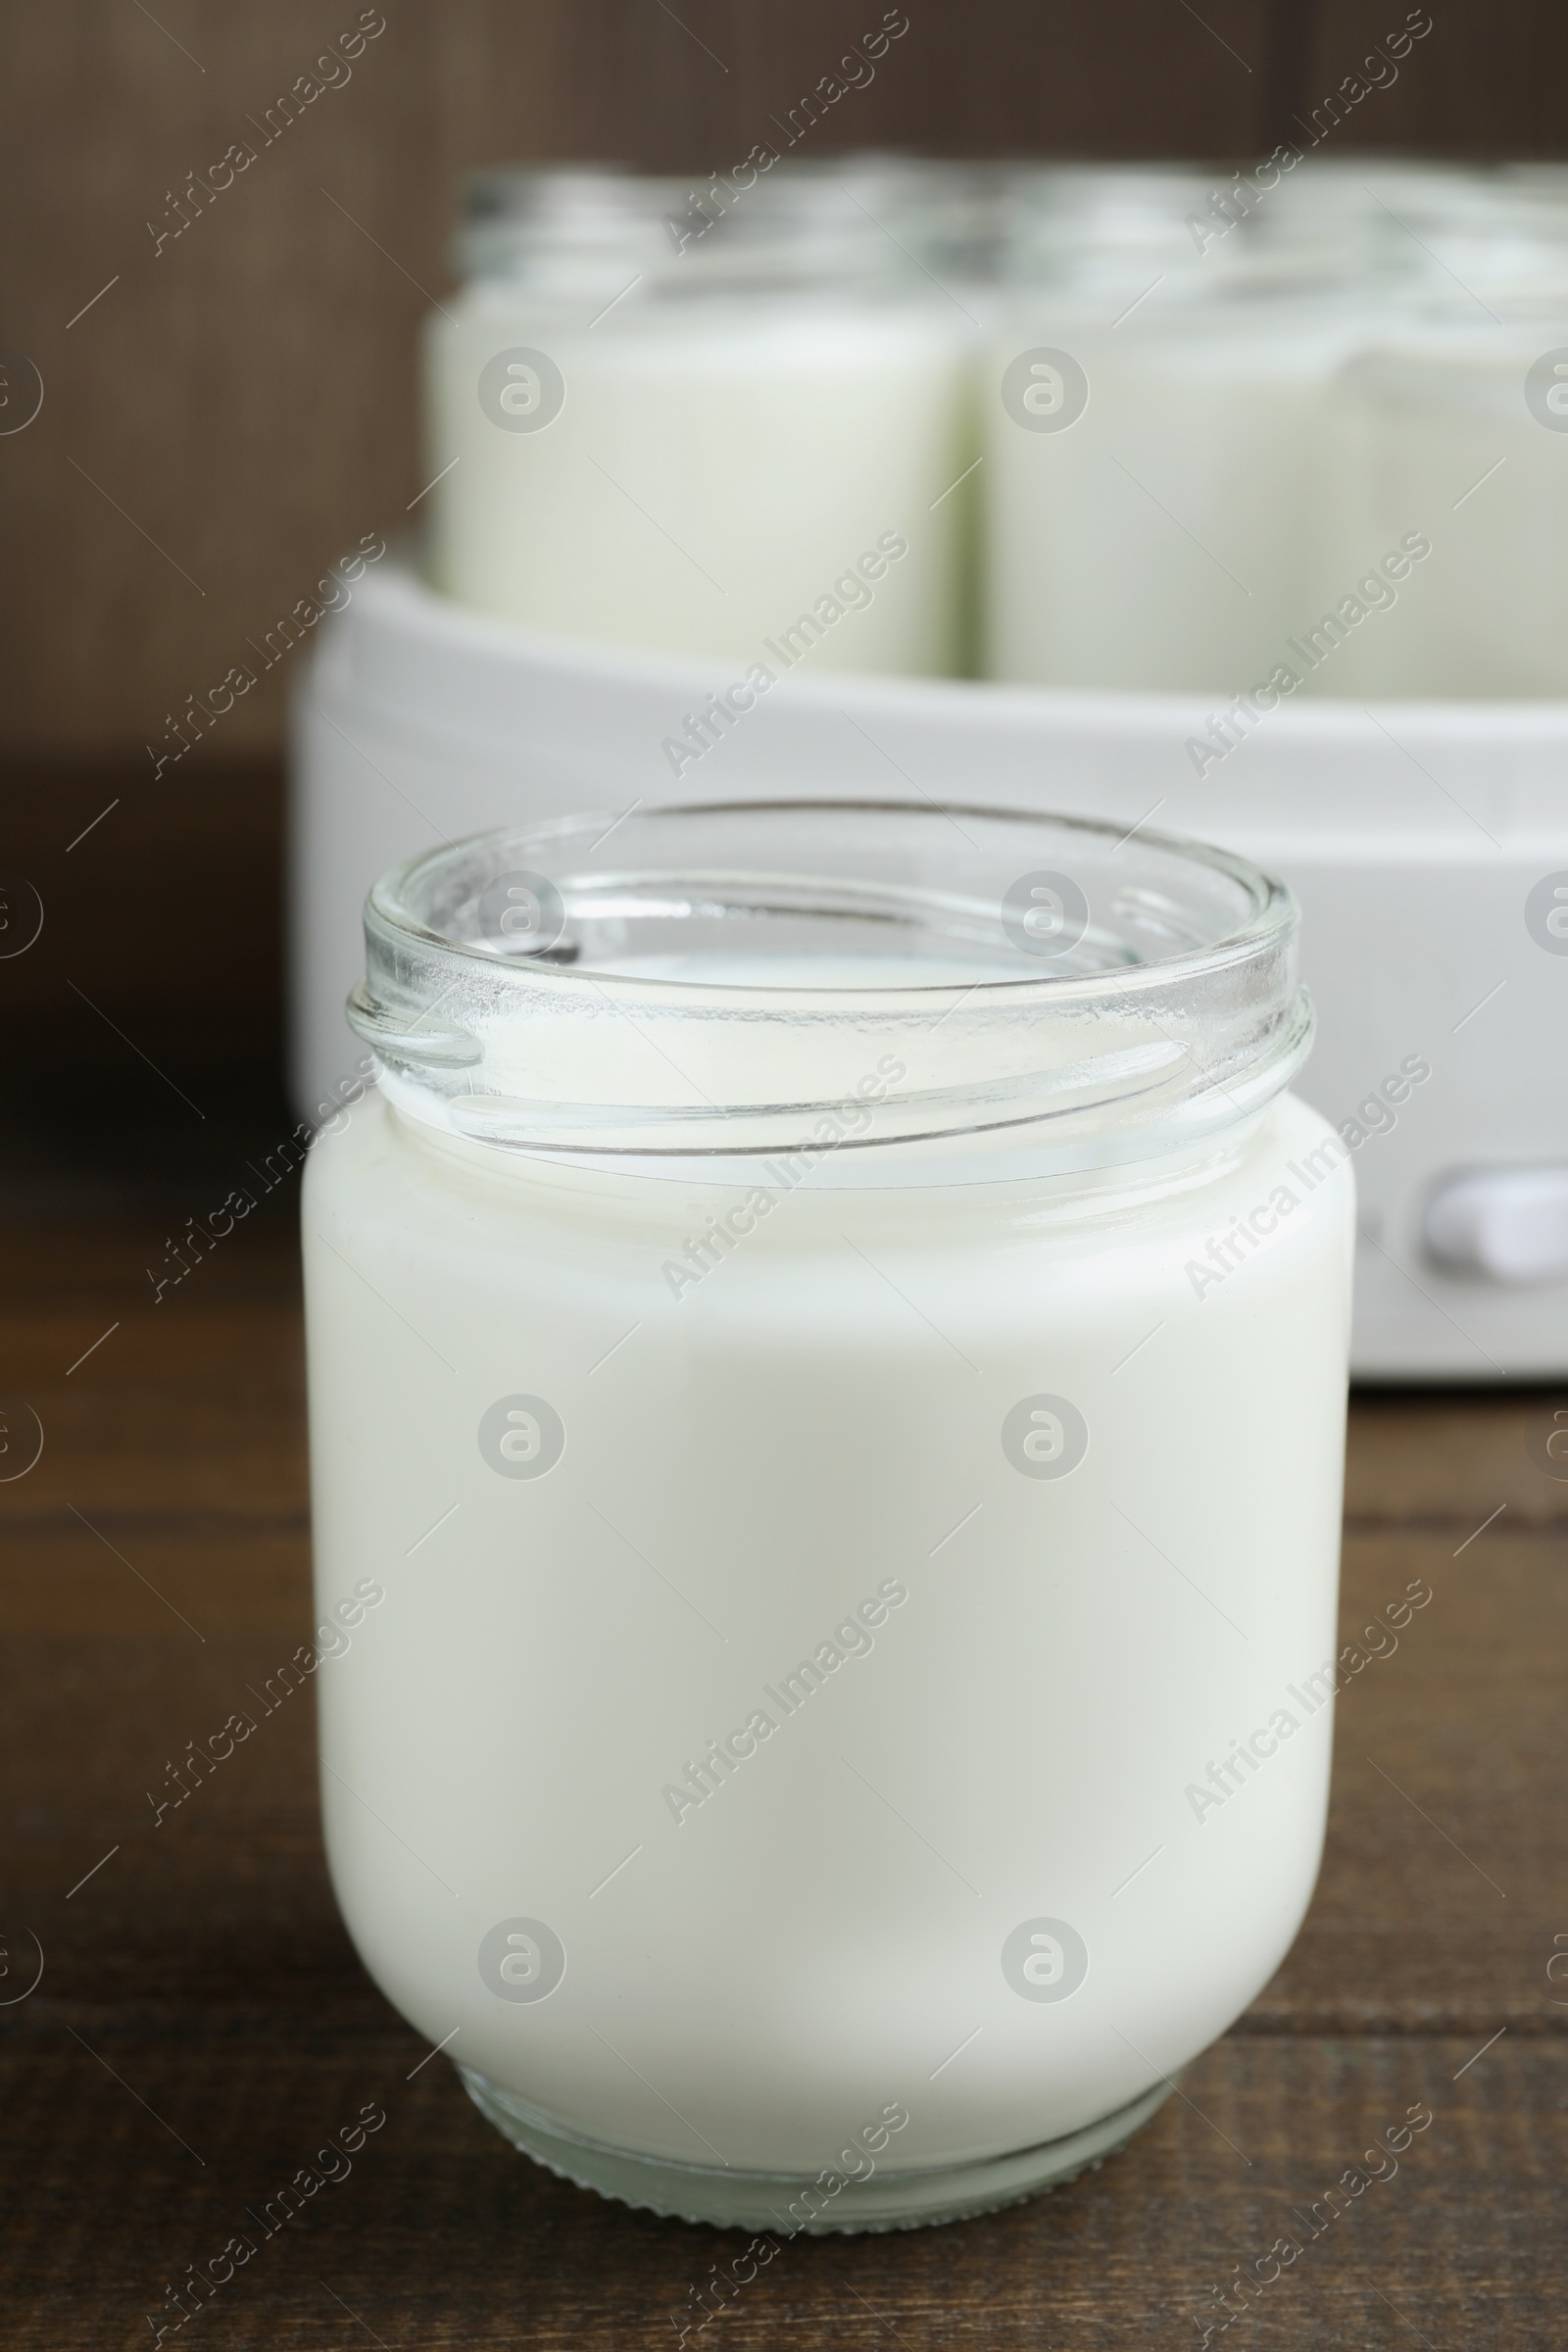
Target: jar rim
{"points": [[1276, 903], [702, 977]]}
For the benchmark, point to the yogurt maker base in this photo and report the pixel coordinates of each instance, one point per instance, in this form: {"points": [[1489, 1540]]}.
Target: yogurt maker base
{"points": [[1413, 834]]}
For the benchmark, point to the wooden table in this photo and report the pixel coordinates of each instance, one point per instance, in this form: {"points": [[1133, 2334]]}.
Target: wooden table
{"points": [[201, 2024]]}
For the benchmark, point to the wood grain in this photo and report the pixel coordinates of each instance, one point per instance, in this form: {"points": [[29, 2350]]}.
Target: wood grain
{"points": [[202, 2023]]}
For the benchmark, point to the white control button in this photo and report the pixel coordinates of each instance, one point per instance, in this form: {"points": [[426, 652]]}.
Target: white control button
{"points": [[1510, 1223]]}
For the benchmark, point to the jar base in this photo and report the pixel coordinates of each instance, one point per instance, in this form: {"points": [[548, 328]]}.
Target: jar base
{"points": [[730, 2198]]}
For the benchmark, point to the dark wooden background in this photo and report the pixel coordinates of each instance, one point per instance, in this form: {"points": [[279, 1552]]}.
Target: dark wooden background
{"points": [[236, 409]]}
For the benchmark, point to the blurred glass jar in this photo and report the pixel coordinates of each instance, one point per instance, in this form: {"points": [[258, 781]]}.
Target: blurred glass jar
{"points": [[1451, 429], [1362, 215], [721, 427], [1147, 419], [951, 215], [831, 1335]]}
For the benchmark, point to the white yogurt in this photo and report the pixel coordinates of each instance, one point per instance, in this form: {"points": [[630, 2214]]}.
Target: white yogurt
{"points": [[711, 451], [1160, 539], [1454, 426], [855, 1622]]}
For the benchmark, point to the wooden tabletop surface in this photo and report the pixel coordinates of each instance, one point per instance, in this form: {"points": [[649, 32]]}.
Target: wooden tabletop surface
{"points": [[201, 2024]]}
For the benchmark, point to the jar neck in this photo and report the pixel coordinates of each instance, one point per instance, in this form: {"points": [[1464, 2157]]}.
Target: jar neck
{"points": [[585, 237], [1010, 1176], [848, 978]]}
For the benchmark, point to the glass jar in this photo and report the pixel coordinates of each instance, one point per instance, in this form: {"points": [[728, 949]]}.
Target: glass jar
{"points": [[1449, 438], [724, 421], [829, 1339], [1147, 419]]}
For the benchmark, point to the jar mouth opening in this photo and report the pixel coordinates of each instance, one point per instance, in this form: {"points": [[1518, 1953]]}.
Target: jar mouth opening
{"points": [[590, 918], [704, 977]]}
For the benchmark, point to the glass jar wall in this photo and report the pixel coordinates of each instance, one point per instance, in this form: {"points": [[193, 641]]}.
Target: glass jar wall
{"points": [[1143, 511], [830, 1337], [713, 432]]}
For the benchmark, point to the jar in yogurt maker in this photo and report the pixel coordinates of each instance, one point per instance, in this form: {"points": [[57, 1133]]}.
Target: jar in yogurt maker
{"points": [[1145, 433], [716, 426], [1449, 435], [829, 1334]]}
